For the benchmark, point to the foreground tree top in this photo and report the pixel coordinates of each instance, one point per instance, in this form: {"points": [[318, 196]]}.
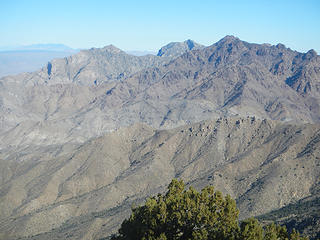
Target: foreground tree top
{"points": [[189, 214]]}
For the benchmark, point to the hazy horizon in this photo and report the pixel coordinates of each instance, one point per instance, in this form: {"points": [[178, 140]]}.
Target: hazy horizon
{"points": [[151, 51], [148, 25]]}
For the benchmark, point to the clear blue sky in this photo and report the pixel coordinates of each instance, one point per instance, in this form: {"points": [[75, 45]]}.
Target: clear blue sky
{"points": [[148, 25]]}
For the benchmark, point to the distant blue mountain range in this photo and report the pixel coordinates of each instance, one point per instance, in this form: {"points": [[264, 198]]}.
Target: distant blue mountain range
{"points": [[39, 47], [18, 59]]}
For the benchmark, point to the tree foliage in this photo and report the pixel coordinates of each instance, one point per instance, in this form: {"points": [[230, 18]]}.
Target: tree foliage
{"points": [[189, 214]]}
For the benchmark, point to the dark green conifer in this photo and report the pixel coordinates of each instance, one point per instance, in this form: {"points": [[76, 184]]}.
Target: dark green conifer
{"points": [[188, 214]]}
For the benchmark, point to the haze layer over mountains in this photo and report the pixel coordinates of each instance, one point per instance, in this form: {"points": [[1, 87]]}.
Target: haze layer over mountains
{"points": [[14, 60], [88, 135]]}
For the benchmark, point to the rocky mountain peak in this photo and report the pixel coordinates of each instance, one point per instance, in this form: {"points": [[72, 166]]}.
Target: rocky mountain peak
{"points": [[280, 46], [112, 49], [175, 49], [230, 45], [310, 54], [229, 39]]}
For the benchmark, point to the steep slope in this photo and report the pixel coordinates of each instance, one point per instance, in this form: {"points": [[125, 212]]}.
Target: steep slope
{"points": [[46, 114], [303, 216], [84, 192]]}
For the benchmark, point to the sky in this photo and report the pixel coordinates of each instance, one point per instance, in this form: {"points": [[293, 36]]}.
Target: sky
{"points": [[148, 25]]}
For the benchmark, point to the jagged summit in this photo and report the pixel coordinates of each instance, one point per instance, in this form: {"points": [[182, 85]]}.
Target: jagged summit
{"points": [[175, 49], [108, 48], [111, 48], [311, 54], [229, 38]]}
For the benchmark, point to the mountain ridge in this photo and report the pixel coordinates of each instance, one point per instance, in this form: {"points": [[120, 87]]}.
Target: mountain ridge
{"points": [[228, 78], [40, 46], [88, 135]]}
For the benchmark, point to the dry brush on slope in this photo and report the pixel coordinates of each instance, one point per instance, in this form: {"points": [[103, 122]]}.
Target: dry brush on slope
{"points": [[87, 190]]}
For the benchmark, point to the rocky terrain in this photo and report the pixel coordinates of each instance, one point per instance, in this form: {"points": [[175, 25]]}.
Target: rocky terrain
{"points": [[98, 65], [176, 49], [88, 135], [85, 191], [62, 96], [229, 78], [88, 67], [303, 215]]}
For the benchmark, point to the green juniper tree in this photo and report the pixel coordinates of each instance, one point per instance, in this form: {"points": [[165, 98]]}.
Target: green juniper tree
{"points": [[188, 214], [251, 229], [275, 232]]}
